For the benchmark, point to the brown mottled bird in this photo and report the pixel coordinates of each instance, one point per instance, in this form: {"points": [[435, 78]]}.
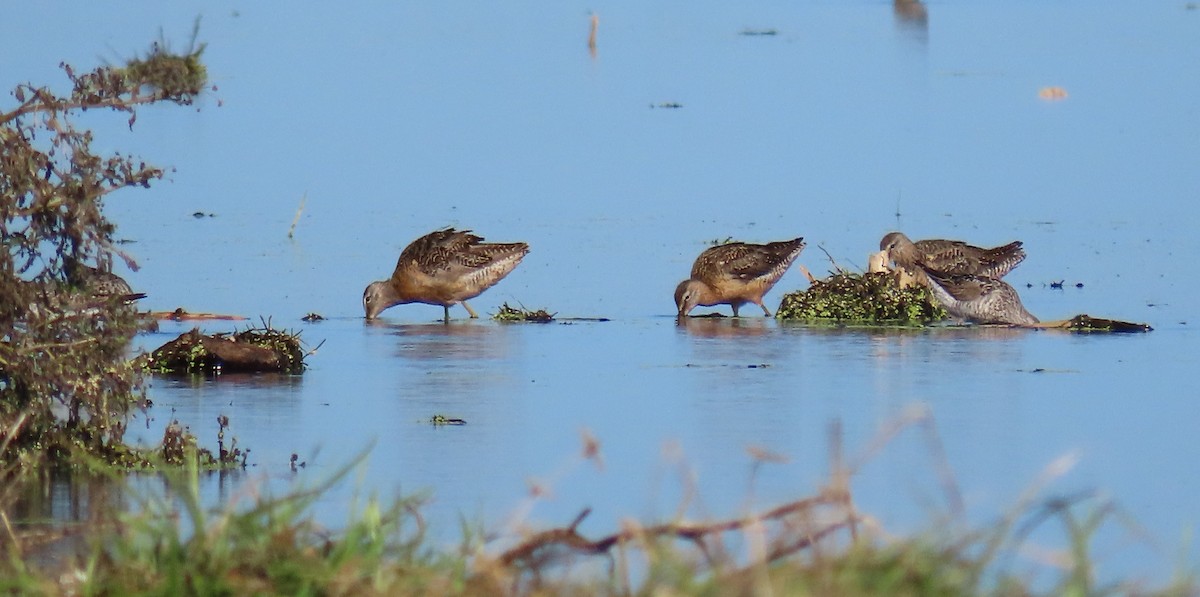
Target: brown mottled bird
{"points": [[978, 299], [735, 274], [443, 267], [98, 283], [951, 257]]}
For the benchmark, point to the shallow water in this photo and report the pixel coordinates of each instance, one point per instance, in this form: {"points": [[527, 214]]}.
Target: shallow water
{"points": [[853, 120]]}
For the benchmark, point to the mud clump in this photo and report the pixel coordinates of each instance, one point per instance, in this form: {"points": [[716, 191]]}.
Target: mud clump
{"points": [[250, 351]]}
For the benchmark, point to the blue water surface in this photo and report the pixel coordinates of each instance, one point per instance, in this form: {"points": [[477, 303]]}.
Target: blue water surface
{"points": [[618, 166]]}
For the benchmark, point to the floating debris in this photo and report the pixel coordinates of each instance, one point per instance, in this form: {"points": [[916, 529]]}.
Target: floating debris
{"points": [[179, 314], [870, 299], [444, 420], [507, 313], [313, 316], [667, 105], [1087, 323], [250, 351], [758, 32], [1052, 94]]}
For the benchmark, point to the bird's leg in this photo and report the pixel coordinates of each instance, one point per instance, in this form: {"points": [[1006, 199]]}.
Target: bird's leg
{"points": [[446, 314], [735, 308], [468, 308], [766, 311]]}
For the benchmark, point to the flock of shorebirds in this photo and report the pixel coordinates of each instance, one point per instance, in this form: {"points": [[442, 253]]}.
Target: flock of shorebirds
{"points": [[448, 267]]}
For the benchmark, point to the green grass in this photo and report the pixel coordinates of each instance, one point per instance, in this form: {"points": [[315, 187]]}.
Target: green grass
{"points": [[264, 545]]}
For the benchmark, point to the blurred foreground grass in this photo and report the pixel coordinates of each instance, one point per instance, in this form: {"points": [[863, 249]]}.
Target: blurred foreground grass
{"points": [[816, 545]]}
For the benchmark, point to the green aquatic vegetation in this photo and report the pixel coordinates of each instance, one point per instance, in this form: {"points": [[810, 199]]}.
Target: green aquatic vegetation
{"points": [[514, 314], [869, 299]]}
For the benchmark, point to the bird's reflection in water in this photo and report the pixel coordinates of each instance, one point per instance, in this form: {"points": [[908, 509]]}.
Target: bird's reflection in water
{"points": [[464, 359], [723, 327], [949, 343], [912, 18], [466, 340]]}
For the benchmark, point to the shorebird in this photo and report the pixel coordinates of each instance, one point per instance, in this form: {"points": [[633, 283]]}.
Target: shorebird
{"points": [[98, 283], [444, 267], [735, 274], [978, 299], [951, 257]]}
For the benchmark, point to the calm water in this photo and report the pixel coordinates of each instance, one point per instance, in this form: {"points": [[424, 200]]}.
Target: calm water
{"points": [[853, 120]]}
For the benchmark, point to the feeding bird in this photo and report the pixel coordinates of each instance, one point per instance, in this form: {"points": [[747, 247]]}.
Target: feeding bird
{"points": [[978, 299], [735, 274], [951, 257], [444, 267]]}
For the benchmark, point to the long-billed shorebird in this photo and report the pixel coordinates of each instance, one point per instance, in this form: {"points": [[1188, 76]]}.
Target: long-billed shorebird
{"points": [[735, 274], [444, 267], [98, 283], [978, 299], [951, 257]]}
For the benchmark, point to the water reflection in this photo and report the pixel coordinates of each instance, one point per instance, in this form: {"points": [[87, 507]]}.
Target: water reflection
{"points": [[465, 341], [54, 512], [467, 357], [237, 380], [64, 498], [912, 18], [724, 327]]}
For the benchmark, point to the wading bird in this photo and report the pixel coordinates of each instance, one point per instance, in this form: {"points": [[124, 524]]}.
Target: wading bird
{"points": [[735, 274], [444, 267]]}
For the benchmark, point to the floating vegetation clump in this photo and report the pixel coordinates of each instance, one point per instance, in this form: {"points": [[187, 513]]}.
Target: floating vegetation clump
{"points": [[179, 446], [171, 74], [251, 350], [874, 298], [1087, 323], [507, 313], [174, 76], [439, 420]]}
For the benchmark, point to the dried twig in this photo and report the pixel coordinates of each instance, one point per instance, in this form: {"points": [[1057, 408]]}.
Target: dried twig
{"points": [[296, 219], [595, 24], [837, 268], [568, 537]]}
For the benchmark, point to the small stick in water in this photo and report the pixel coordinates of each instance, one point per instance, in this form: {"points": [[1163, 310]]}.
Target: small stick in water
{"points": [[299, 210]]}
